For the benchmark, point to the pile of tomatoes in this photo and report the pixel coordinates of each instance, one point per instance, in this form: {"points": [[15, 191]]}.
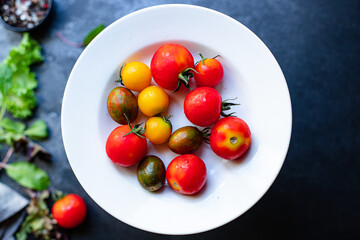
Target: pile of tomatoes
{"points": [[172, 65]]}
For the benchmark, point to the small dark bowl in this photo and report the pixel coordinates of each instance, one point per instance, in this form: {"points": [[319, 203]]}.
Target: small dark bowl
{"points": [[19, 29]]}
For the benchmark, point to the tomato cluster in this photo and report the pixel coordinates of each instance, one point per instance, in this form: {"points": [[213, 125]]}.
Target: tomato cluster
{"points": [[172, 66]]}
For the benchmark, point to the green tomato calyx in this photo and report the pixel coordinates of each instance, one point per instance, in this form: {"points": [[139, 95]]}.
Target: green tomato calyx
{"points": [[137, 129], [120, 80], [165, 119], [206, 134], [226, 105], [184, 78], [204, 58]]}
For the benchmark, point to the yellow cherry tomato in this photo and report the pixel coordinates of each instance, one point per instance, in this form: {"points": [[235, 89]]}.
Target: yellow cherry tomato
{"points": [[135, 76], [153, 100], [158, 129]]}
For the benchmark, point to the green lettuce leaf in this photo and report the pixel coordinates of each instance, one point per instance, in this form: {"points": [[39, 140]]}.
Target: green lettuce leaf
{"points": [[11, 131], [21, 103], [9, 137], [37, 131], [28, 175], [12, 126], [6, 74], [20, 97], [23, 80], [26, 54]]}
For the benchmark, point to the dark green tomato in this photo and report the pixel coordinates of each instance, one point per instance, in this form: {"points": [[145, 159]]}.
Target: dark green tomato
{"points": [[185, 140], [122, 101], [151, 173]]}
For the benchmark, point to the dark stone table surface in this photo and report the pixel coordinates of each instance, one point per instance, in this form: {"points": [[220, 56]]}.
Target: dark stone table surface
{"points": [[317, 44]]}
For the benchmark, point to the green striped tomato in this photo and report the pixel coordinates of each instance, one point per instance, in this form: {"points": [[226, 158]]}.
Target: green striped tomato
{"points": [[121, 101]]}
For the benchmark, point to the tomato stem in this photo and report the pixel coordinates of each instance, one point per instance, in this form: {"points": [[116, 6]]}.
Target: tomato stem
{"points": [[120, 80], [225, 105], [56, 195], [184, 78], [206, 134], [137, 129], [166, 119], [204, 58]]}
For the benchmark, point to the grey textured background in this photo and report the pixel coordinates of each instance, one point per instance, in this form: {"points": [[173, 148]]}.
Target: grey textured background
{"points": [[316, 42]]}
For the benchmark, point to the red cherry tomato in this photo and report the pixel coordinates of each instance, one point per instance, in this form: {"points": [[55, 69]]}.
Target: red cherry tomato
{"points": [[69, 211], [230, 138], [202, 106], [186, 174], [170, 66], [209, 72], [125, 150]]}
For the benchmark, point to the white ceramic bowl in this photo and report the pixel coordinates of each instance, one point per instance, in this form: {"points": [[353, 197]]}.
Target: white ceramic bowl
{"points": [[251, 74]]}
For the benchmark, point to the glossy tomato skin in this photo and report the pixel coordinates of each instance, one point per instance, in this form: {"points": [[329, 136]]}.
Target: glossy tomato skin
{"points": [[126, 150], [166, 64], [202, 106], [151, 173], [209, 72], [186, 174], [136, 76], [158, 129], [122, 101], [186, 140], [153, 100], [230, 138], [69, 211]]}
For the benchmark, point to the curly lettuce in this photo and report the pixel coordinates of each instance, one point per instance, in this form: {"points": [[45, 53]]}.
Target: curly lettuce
{"points": [[17, 94]]}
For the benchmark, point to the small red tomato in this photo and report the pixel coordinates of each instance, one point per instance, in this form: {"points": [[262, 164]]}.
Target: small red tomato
{"points": [[186, 174], [126, 149], [230, 138], [204, 105], [69, 211], [209, 72], [171, 65]]}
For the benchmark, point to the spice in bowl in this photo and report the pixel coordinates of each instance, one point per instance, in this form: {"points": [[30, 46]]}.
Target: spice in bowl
{"points": [[25, 14]]}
